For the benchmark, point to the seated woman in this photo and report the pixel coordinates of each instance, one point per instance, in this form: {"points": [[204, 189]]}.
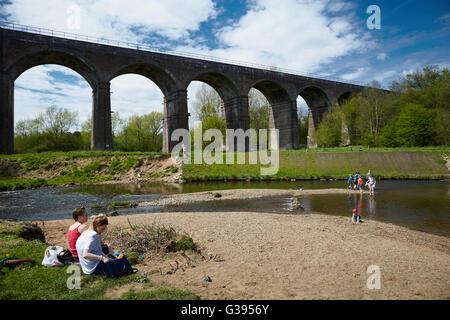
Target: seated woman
{"points": [[80, 216], [89, 247]]}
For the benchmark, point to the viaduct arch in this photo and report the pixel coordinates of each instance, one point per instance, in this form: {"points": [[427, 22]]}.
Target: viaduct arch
{"points": [[100, 63]]}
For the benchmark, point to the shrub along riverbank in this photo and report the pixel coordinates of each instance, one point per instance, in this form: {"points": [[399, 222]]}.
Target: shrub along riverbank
{"points": [[26, 171]]}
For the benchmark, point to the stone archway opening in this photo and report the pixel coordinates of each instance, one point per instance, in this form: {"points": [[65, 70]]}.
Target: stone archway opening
{"points": [[65, 60], [282, 113], [215, 94], [259, 114], [160, 88], [43, 94], [343, 98], [203, 101], [302, 121], [137, 113], [318, 103]]}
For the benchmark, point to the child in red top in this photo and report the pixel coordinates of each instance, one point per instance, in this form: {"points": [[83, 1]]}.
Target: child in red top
{"points": [[75, 230], [355, 216], [360, 184]]}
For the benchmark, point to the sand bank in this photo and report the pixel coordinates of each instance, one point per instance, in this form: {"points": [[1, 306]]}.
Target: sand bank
{"points": [[235, 194], [309, 256]]}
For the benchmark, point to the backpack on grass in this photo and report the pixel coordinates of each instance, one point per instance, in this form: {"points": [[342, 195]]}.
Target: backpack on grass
{"points": [[66, 257]]}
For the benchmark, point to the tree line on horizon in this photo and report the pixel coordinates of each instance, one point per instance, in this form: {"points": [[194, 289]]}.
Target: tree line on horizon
{"points": [[416, 112], [51, 131]]}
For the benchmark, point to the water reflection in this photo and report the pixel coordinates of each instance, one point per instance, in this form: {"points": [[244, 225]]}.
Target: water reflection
{"points": [[422, 205], [372, 206]]}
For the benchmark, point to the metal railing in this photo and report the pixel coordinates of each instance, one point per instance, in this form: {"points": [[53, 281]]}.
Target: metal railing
{"points": [[149, 48]]}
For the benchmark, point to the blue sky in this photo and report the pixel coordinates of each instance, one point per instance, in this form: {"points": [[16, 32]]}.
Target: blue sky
{"points": [[322, 37]]}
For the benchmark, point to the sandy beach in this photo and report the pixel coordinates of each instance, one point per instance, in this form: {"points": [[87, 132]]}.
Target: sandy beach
{"points": [[280, 256]]}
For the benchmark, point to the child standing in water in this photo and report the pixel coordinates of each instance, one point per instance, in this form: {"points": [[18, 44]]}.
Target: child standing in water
{"points": [[372, 183], [360, 184], [355, 216], [350, 182]]}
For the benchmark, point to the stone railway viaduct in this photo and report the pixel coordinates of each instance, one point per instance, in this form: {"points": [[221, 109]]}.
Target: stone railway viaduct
{"points": [[100, 63]]}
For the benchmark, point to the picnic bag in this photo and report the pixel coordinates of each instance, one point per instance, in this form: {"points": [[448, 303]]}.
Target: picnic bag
{"points": [[51, 256], [66, 257]]}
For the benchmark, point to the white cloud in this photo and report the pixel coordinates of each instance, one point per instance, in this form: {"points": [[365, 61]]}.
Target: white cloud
{"points": [[385, 75], [339, 6], [114, 19], [356, 74], [382, 56], [296, 34], [37, 89], [291, 34], [135, 95]]}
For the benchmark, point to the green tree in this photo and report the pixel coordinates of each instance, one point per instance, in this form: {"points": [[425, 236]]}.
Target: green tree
{"points": [[415, 126], [303, 123], [50, 131], [418, 80], [441, 127], [211, 122], [329, 131], [142, 133], [57, 121], [207, 103], [352, 114], [258, 109]]}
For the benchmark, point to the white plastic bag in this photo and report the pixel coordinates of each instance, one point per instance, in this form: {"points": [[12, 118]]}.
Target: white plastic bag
{"points": [[51, 256]]}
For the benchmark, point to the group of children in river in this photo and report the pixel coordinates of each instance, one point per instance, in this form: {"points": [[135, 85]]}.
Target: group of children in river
{"points": [[356, 182]]}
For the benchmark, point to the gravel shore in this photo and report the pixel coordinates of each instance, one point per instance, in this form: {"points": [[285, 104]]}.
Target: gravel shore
{"points": [[234, 194]]}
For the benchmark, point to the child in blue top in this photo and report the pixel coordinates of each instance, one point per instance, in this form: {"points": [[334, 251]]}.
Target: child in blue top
{"points": [[356, 180]]}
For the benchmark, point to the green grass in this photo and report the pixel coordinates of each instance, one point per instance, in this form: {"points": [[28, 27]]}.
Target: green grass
{"points": [[36, 282], [44, 157], [69, 173], [335, 163], [122, 204], [162, 293], [332, 163]]}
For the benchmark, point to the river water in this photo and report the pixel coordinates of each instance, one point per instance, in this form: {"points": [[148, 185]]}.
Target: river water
{"points": [[419, 205]]}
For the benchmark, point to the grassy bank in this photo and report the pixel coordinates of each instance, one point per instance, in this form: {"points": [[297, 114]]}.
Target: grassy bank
{"points": [[333, 163], [34, 170], [26, 171], [34, 281]]}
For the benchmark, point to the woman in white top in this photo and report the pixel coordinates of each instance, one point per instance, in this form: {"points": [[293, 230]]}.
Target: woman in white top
{"points": [[89, 247]]}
